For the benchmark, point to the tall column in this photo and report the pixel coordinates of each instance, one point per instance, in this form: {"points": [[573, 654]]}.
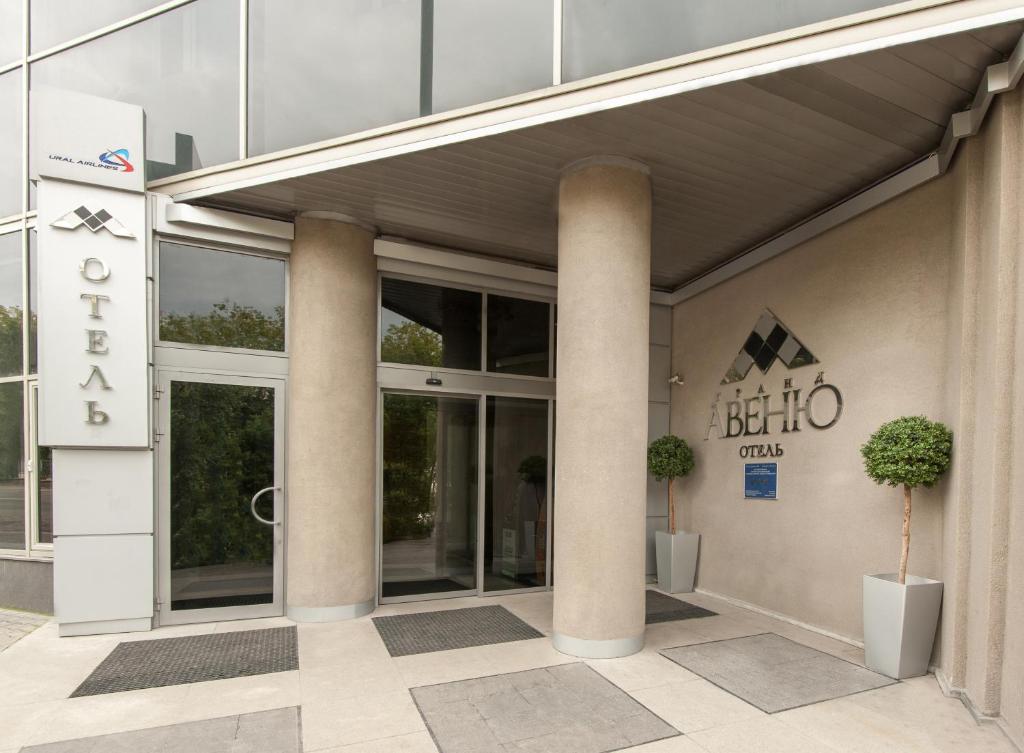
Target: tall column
{"points": [[604, 270], [331, 421]]}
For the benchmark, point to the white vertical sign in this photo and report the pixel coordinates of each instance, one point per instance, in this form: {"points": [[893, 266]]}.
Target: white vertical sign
{"points": [[93, 339]]}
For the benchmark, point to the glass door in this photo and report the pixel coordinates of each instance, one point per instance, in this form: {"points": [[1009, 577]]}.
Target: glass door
{"points": [[430, 481], [221, 501]]}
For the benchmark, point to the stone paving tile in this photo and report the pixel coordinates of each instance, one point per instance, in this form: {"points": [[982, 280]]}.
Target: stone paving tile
{"points": [[15, 625], [774, 673], [660, 607], [442, 630], [275, 731], [134, 665], [568, 708]]}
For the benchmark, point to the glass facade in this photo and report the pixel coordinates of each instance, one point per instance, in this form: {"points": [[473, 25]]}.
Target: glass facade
{"points": [[428, 325], [599, 36], [221, 298]]}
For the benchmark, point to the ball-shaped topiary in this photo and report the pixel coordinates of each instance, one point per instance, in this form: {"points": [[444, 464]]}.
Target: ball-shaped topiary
{"points": [[909, 451], [670, 457]]}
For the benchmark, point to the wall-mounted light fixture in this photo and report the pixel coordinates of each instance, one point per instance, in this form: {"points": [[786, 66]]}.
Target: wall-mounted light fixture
{"points": [[433, 380], [676, 379]]}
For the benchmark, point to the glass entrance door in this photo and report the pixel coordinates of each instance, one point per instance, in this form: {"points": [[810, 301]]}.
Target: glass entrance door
{"points": [[430, 461], [221, 501]]}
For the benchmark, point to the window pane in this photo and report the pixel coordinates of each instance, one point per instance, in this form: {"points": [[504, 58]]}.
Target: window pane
{"points": [[517, 336], [220, 298], [355, 67], [12, 468], [429, 325], [486, 49], [33, 302], [43, 482], [181, 66], [516, 514], [607, 35], [428, 531], [10, 143], [10, 31], [56, 21], [10, 304]]}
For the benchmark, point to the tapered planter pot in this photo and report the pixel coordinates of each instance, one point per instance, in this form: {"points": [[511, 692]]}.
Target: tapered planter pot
{"points": [[900, 623], [677, 560]]}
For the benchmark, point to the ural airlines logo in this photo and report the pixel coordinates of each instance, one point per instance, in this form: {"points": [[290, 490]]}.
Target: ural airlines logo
{"points": [[114, 159], [770, 340], [92, 220], [118, 158]]}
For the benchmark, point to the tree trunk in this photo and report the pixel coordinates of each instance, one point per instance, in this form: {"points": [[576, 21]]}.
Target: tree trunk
{"points": [[671, 509], [905, 554]]}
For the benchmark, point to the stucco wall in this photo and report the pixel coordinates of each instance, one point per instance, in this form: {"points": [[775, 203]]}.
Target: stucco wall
{"points": [[869, 300]]}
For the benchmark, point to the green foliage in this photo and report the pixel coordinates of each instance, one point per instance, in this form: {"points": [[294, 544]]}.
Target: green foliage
{"points": [[910, 450], [533, 470], [669, 457], [410, 466], [410, 342], [222, 452], [228, 325], [10, 340]]}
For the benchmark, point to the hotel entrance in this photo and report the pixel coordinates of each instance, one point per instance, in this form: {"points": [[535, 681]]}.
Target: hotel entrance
{"points": [[465, 492]]}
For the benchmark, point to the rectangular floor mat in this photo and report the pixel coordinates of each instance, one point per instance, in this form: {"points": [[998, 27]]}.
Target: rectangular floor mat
{"points": [[421, 633], [663, 608], [774, 673], [568, 708], [195, 658], [275, 731]]}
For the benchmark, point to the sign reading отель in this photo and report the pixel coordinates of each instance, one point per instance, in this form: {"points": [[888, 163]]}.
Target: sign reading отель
{"points": [[761, 480]]}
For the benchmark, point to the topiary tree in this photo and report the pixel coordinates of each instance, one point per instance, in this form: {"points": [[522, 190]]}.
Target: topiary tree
{"points": [[911, 451], [669, 457]]}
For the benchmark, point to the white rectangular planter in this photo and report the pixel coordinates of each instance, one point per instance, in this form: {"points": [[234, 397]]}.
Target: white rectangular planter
{"points": [[900, 623], [677, 560]]}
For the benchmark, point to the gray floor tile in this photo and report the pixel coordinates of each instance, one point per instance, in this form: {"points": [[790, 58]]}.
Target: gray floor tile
{"points": [[196, 658], [275, 731], [660, 607], [421, 633], [774, 673], [565, 709]]}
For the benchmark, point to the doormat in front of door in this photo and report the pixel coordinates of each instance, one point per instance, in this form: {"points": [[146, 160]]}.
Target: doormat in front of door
{"points": [[774, 673], [423, 632], [135, 665], [662, 608]]}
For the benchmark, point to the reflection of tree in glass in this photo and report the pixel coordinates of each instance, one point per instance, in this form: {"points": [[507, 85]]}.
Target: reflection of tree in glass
{"points": [[410, 342], [410, 438], [229, 325], [222, 452], [10, 340]]}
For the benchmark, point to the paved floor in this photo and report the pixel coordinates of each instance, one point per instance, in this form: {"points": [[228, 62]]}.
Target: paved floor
{"points": [[356, 698], [775, 673], [16, 625]]}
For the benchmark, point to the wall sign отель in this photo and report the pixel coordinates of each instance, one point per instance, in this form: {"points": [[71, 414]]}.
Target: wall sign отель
{"points": [[818, 406]]}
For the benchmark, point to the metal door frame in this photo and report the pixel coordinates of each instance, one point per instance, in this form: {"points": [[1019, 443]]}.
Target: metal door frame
{"points": [[164, 615]]}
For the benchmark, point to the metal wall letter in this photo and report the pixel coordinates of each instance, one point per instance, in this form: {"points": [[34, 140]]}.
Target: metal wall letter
{"points": [[97, 341], [94, 303], [87, 265], [93, 414], [95, 372]]}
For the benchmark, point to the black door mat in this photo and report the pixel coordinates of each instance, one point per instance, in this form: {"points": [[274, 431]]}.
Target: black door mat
{"points": [[662, 608], [423, 632], [774, 673], [421, 587], [195, 658]]}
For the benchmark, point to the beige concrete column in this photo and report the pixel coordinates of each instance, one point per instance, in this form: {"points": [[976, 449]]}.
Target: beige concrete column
{"points": [[331, 419], [604, 270]]}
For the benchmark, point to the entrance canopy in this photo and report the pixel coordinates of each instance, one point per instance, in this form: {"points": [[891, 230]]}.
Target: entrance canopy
{"points": [[743, 143]]}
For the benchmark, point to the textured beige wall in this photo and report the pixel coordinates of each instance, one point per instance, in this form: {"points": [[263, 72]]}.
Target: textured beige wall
{"points": [[604, 232], [982, 650], [869, 300], [331, 413]]}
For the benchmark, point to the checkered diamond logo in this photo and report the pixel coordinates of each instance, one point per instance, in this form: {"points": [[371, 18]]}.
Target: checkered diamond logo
{"points": [[769, 340], [92, 220]]}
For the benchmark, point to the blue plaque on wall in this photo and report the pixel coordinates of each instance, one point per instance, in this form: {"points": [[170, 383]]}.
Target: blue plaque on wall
{"points": [[761, 480]]}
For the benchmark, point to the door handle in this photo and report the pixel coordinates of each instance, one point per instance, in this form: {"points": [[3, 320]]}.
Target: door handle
{"points": [[255, 498]]}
